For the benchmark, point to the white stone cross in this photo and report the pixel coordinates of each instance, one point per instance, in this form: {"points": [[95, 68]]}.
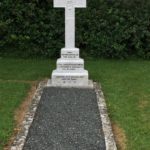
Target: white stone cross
{"points": [[70, 6], [70, 70]]}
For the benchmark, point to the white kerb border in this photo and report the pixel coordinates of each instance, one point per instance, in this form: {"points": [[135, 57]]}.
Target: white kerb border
{"points": [[21, 137], [106, 124]]}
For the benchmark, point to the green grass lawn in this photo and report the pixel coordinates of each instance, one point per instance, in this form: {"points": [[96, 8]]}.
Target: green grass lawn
{"points": [[126, 85], [11, 95]]}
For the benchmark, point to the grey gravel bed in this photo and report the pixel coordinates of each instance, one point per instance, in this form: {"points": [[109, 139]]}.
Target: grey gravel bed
{"points": [[66, 119]]}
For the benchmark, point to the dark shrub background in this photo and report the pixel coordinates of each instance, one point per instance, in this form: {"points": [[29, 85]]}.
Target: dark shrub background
{"points": [[106, 28]]}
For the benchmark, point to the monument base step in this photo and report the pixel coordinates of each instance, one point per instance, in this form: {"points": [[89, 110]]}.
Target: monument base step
{"points": [[70, 79], [70, 64], [89, 86], [68, 53]]}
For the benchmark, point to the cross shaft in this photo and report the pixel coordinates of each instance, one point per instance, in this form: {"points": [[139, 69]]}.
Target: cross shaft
{"points": [[69, 27]]}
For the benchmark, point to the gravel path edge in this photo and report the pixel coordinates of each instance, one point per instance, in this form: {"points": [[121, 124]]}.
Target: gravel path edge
{"points": [[21, 137], [106, 124]]}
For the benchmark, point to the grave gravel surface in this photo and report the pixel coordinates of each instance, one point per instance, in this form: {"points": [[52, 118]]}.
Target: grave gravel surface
{"points": [[66, 119]]}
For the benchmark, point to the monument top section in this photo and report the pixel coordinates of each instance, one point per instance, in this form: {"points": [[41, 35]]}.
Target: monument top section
{"points": [[73, 3]]}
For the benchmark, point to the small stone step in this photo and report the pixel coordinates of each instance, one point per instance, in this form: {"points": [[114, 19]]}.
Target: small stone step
{"points": [[70, 78], [68, 53], [70, 64]]}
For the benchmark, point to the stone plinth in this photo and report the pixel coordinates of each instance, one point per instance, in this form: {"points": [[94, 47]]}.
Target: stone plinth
{"points": [[69, 53], [70, 70], [70, 78]]}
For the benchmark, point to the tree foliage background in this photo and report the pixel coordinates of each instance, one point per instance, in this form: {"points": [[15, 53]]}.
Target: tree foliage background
{"points": [[106, 28]]}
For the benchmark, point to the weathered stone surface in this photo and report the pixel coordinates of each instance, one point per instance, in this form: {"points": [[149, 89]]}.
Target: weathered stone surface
{"points": [[70, 53], [70, 64], [70, 78], [64, 3]]}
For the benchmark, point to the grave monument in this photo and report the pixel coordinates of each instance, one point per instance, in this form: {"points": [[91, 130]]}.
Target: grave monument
{"points": [[67, 118], [70, 70]]}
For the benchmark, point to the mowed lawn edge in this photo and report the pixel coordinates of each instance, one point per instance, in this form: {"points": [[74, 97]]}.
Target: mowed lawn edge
{"points": [[11, 96], [126, 86]]}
